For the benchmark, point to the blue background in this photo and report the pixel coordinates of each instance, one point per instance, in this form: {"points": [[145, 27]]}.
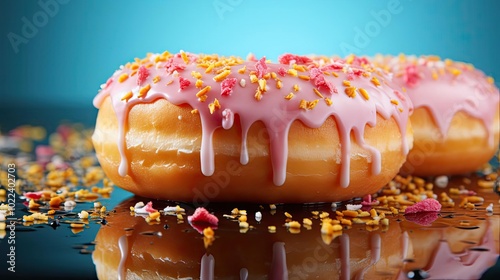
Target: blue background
{"points": [[81, 44]]}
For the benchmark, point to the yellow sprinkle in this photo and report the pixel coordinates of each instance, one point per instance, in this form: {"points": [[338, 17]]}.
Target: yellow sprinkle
{"points": [[346, 83], [349, 59], [262, 85], [433, 58], [214, 106], [402, 58], [435, 75], [364, 93], [203, 91], [394, 101], [312, 104], [184, 57], [400, 110], [316, 91], [127, 96], [303, 104], [350, 91], [366, 74], [242, 70], [304, 77], [253, 78], [258, 94], [292, 72], [299, 68], [403, 89], [123, 77], [222, 75], [289, 96], [375, 81], [199, 83], [210, 68], [279, 84], [133, 73], [196, 74], [273, 75], [143, 91], [194, 111], [328, 101], [335, 74], [134, 66], [448, 62], [326, 73], [296, 88], [455, 71], [490, 80], [156, 79], [267, 76]]}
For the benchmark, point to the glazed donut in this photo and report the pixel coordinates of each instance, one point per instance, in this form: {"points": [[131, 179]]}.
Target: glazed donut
{"points": [[206, 128], [456, 119]]}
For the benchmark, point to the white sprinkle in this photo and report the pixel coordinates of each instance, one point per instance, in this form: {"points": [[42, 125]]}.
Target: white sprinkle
{"points": [[353, 206], [175, 73], [243, 83], [179, 117], [2, 217], [441, 181], [334, 205], [489, 209], [69, 203], [258, 216], [97, 204]]}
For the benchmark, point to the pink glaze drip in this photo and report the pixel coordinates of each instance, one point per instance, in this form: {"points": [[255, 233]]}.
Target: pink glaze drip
{"points": [[447, 88], [351, 114]]}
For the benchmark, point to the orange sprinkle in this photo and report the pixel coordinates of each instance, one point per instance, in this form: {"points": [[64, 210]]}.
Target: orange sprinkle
{"points": [[455, 71], [364, 93], [316, 91], [262, 85], [375, 81], [299, 68], [350, 91], [199, 83], [448, 62], [196, 75], [328, 101], [394, 101], [214, 106], [127, 96], [267, 76], [296, 88], [490, 80], [400, 109], [433, 58], [242, 70], [184, 57], [366, 74], [170, 82], [194, 111], [203, 98], [133, 73], [335, 74], [289, 96], [222, 75], [143, 91], [149, 65], [292, 72], [253, 78], [156, 79], [279, 84], [326, 73], [435, 75], [203, 91], [304, 77], [273, 75], [123, 77], [346, 83], [134, 66]]}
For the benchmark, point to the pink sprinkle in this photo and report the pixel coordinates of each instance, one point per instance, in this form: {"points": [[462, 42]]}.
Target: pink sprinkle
{"points": [[287, 58], [172, 66], [368, 201], [183, 83], [227, 86], [357, 72], [422, 218], [108, 82], [149, 208], [201, 215], [33, 195], [64, 131], [142, 74], [360, 61], [333, 67], [281, 71], [426, 205], [319, 80], [261, 67], [350, 76], [411, 76], [399, 95], [251, 57]]}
